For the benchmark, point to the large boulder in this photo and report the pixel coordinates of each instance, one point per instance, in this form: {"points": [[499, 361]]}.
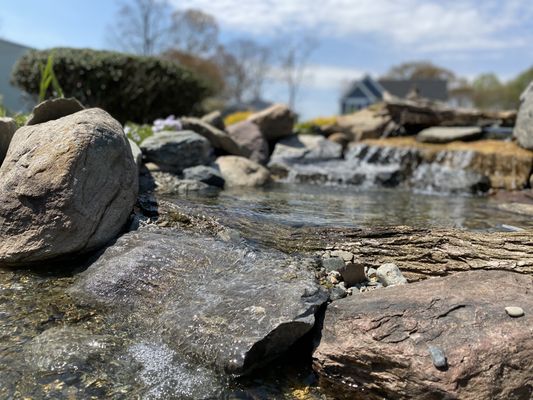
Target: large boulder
{"points": [[52, 109], [215, 304], [443, 338], [305, 149], [239, 171], [523, 130], [275, 122], [8, 127], [174, 151], [447, 134], [67, 186], [248, 135], [218, 138], [364, 124]]}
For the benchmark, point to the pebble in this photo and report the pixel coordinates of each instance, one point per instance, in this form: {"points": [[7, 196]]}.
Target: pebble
{"points": [[514, 311], [389, 274], [371, 273], [338, 292], [438, 357]]}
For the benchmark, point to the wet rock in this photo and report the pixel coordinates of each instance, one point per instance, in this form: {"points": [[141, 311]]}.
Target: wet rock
{"points": [[8, 127], [52, 109], [375, 345], [523, 130], [175, 151], [449, 134], [215, 119], [275, 122], [61, 349], [442, 178], [216, 304], [239, 171], [205, 174], [514, 311], [167, 183], [389, 275], [249, 137], [67, 187], [218, 138]]}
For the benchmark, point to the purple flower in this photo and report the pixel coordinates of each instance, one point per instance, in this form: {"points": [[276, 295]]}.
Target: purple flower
{"points": [[170, 123]]}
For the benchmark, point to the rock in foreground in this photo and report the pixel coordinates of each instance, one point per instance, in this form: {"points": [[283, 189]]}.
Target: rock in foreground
{"points": [[67, 186], [376, 345], [221, 305]]}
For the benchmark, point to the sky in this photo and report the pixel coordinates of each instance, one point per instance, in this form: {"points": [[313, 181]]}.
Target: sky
{"points": [[354, 37]]}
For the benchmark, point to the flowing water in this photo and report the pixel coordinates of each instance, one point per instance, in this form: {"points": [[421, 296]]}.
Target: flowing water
{"points": [[85, 357]]}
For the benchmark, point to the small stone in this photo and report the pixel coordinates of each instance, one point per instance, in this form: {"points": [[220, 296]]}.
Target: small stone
{"points": [[345, 255], [337, 292], [389, 274], [438, 357], [333, 280], [332, 263], [353, 273], [514, 311], [371, 273]]}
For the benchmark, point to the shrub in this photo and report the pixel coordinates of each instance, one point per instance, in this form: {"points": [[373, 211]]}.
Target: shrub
{"points": [[129, 87], [236, 117], [137, 132]]}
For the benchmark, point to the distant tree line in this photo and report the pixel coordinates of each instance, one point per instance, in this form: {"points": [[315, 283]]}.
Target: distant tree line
{"points": [[486, 91], [237, 70]]}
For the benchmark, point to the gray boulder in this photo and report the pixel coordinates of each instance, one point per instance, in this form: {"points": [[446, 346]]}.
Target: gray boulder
{"points": [[248, 135], [239, 171], [136, 153], [389, 275], [303, 149], [8, 127], [52, 109], [67, 186], [218, 138], [205, 174], [523, 130], [275, 122], [216, 304], [446, 134], [175, 151]]}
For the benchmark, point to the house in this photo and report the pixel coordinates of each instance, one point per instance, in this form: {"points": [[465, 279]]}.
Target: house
{"points": [[367, 91], [12, 97]]}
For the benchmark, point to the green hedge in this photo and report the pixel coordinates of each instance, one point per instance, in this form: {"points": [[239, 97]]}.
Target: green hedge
{"points": [[129, 87]]}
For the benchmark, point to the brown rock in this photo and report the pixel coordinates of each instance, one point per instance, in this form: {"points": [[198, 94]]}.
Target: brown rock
{"points": [[7, 130], [248, 135], [218, 139], [67, 186], [364, 124], [52, 109], [376, 345], [274, 122], [215, 119]]}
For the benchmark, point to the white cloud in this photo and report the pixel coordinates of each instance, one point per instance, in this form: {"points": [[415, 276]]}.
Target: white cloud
{"points": [[427, 25]]}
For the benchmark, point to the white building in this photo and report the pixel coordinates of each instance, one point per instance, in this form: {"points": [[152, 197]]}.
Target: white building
{"points": [[12, 97]]}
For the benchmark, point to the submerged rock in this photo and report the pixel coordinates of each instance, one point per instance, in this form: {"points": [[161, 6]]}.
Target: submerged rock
{"points": [[8, 127], [239, 171], [67, 187], [216, 304], [375, 345], [174, 151], [52, 109]]}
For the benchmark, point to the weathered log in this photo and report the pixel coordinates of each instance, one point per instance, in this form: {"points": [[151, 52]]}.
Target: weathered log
{"points": [[419, 253]]}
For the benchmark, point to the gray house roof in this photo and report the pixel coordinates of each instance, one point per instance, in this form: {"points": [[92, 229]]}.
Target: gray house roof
{"points": [[372, 90], [433, 89], [12, 97]]}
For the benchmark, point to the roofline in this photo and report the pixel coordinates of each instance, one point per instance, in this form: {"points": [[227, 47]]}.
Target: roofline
{"points": [[359, 84], [15, 43]]}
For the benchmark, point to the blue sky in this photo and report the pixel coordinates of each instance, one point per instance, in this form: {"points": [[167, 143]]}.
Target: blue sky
{"points": [[354, 36]]}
